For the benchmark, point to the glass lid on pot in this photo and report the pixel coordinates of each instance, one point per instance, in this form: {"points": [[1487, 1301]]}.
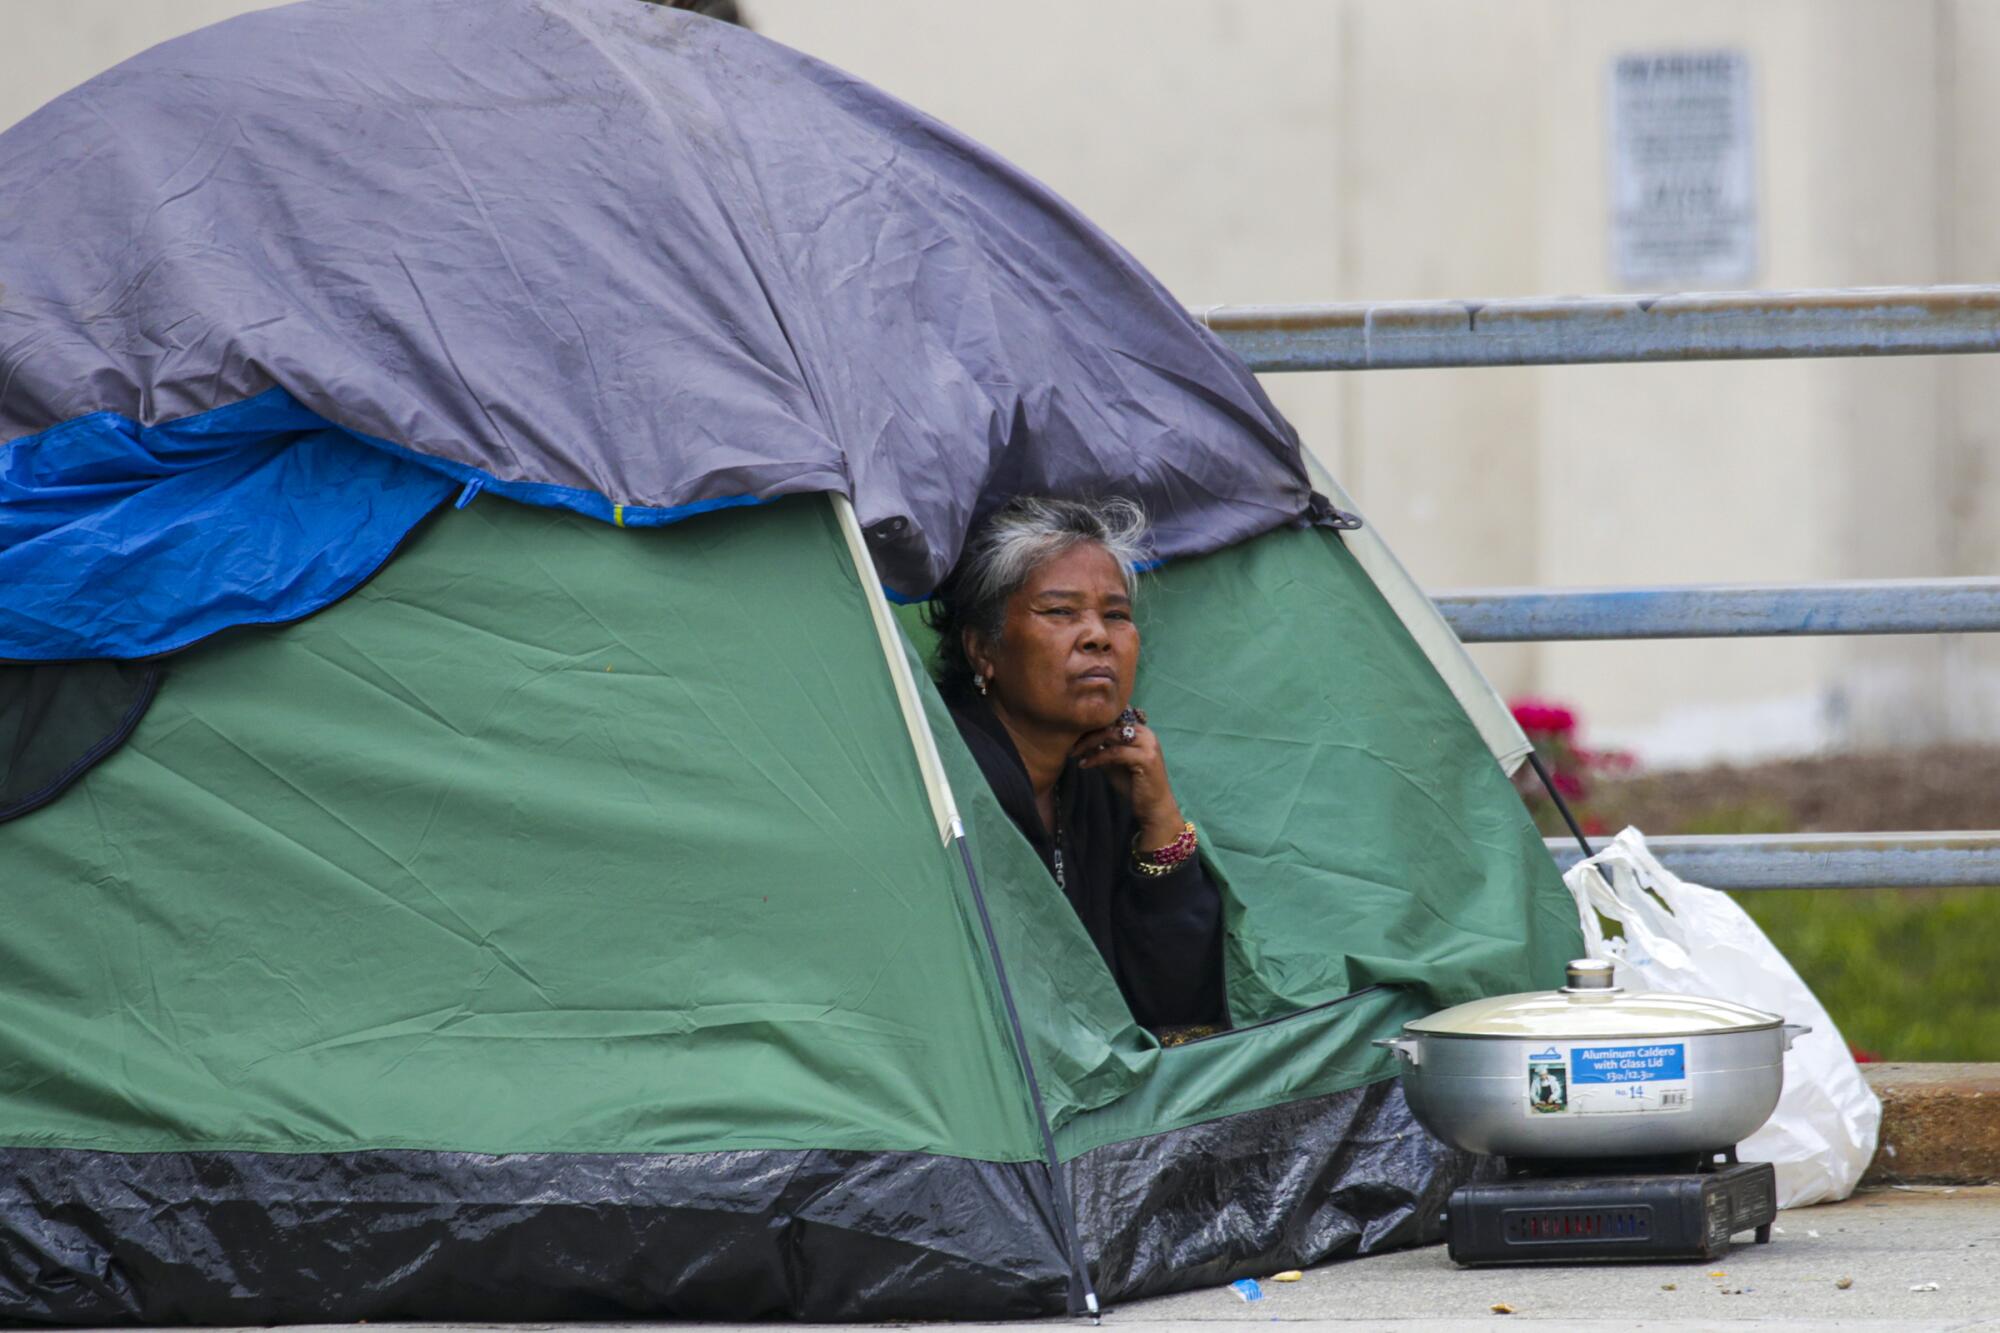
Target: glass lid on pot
{"points": [[1591, 1007]]}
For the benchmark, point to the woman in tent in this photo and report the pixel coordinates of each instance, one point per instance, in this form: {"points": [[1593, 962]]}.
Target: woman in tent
{"points": [[1037, 654]]}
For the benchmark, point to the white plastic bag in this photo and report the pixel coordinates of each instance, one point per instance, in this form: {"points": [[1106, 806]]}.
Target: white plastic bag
{"points": [[1696, 941]]}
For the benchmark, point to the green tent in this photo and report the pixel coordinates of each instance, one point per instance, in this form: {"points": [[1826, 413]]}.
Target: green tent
{"points": [[571, 922], [574, 902]]}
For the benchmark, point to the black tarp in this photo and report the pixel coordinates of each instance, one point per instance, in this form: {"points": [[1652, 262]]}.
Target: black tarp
{"points": [[263, 1238]]}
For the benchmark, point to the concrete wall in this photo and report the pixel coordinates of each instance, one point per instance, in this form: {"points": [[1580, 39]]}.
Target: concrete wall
{"points": [[1346, 149], [1969, 426], [50, 46], [1821, 469]]}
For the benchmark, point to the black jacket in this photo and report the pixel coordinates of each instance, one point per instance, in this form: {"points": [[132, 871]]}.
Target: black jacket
{"points": [[1161, 935]]}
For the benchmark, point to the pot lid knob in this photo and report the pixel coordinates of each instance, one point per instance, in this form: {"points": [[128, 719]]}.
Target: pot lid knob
{"points": [[1588, 974]]}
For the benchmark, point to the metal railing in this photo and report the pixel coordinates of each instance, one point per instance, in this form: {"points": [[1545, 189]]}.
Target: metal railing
{"points": [[1593, 330], [1724, 610], [1822, 860], [1701, 326]]}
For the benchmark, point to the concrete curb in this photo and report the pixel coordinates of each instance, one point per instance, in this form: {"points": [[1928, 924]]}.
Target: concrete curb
{"points": [[1940, 1124]]}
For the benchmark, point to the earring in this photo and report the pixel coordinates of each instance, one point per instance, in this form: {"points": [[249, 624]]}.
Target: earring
{"points": [[980, 681]]}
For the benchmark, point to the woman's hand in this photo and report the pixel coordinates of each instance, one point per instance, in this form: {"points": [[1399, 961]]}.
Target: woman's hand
{"points": [[1139, 770]]}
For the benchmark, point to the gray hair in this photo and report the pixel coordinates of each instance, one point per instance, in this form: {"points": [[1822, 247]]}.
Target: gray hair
{"points": [[1027, 532]]}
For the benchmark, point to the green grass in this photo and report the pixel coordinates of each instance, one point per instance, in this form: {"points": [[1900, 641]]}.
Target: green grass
{"points": [[1907, 974]]}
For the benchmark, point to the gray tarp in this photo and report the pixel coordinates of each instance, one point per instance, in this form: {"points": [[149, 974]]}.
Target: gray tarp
{"points": [[606, 247]]}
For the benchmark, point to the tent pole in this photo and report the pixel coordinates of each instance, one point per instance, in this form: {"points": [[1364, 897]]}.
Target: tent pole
{"points": [[1549, 785], [1082, 1295], [890, 636]]}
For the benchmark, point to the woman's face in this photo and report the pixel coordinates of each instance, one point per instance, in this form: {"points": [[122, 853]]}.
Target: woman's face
{"points": [[1069, 650]]}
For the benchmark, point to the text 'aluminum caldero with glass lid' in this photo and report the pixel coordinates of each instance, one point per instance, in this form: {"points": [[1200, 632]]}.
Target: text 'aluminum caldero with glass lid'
{"points": [[1594, 1070]]}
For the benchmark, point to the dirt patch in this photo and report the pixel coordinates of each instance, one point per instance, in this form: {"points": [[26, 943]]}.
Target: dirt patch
{"points": [[1946, 787]]}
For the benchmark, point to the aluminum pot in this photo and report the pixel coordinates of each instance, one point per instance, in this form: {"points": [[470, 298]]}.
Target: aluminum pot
{"points": [[1594, 1070]]}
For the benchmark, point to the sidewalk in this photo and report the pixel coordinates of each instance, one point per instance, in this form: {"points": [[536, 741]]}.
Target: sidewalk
{"points": [[1885, 1240]]}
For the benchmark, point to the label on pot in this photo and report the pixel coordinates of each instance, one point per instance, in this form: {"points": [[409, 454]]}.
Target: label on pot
{"points": [[1598, 1078]]}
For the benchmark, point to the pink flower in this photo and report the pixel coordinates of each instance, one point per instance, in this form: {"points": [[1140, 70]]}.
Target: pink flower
{"points": [[1541, 715], [1569, 784]]}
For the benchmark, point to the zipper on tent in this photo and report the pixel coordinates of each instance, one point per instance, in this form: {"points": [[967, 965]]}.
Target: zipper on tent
{"points": [[1082, 1295]]}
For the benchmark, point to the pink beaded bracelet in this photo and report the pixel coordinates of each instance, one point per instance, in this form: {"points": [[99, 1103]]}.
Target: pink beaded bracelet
{"points": [[1163, 859]]}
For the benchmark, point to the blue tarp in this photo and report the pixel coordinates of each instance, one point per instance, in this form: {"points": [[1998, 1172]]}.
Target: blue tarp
{"points": [[124, 540], [269, 291]]}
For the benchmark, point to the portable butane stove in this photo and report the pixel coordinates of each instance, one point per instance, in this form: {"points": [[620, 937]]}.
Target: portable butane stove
{"points": [[1591, 1210]]}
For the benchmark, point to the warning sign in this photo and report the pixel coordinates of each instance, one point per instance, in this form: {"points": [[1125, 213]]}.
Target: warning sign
{"points": [[1683, 174]]}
